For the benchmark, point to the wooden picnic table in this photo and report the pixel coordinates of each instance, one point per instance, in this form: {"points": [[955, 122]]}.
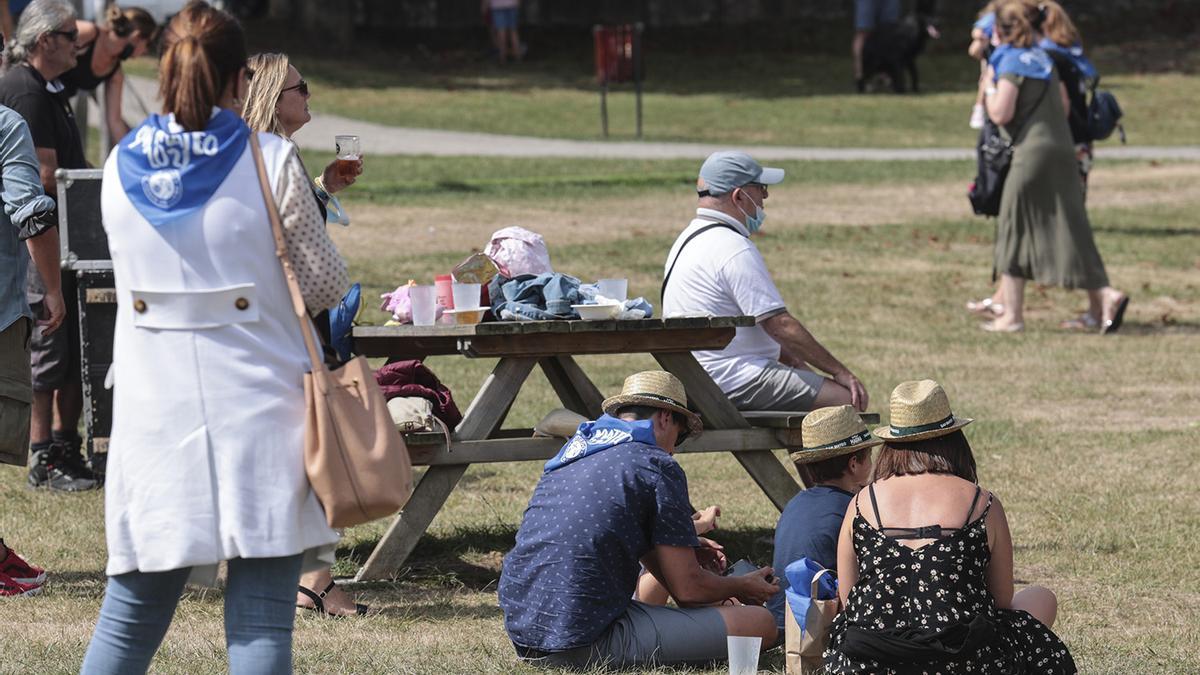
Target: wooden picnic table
{"points": [[552, 346]]}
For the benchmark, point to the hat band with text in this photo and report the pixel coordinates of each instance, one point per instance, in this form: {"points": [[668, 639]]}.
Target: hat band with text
{"points": [[909, 431], [861, 437], [657, 397]]}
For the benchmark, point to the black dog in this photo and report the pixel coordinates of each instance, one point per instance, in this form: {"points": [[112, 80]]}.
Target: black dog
{"points": [[892, 49]]}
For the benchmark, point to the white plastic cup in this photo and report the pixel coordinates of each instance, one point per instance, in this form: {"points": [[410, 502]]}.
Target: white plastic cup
{"points": [[466, 296], [614, 289], [743, 654], [424, 304]]}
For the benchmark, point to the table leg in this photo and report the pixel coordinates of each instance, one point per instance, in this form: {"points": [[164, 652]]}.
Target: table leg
{"points": [[719, 413], [574, 388], [484, 416]]}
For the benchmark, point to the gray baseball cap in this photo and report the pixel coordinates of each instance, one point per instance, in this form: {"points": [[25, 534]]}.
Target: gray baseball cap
{"points": [[723, 171]]}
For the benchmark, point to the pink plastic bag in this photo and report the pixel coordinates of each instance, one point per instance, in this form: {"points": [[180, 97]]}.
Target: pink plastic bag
{"points": [[517, 251], [398, 304]]}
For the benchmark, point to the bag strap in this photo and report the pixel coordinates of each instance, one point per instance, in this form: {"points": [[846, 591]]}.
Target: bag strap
{"points": [[1031, 112], [662, 293], [281, 252], [812, 592]]}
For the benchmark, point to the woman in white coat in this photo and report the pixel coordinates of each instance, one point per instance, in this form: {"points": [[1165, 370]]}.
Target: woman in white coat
{"points": [[206, 455]]}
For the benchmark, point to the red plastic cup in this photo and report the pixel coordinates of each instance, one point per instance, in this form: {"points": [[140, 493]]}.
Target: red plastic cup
{"points": [[445, 296]]}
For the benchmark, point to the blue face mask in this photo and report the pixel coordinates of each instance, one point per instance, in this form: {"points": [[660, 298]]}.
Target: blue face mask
{"points": [[754, 223]]}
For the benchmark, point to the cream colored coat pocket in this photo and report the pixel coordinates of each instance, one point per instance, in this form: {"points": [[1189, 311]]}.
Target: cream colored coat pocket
{"points": [[190, 310]]}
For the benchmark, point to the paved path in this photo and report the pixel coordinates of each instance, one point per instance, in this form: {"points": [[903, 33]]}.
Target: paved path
{"points": [[380, 139]]}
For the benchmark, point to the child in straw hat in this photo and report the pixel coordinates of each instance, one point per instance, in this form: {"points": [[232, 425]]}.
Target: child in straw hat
{"points": [[835, 462], [925, 561]]}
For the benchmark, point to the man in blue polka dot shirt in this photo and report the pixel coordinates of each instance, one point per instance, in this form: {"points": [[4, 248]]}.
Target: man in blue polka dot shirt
{"points": [[611, 501]]}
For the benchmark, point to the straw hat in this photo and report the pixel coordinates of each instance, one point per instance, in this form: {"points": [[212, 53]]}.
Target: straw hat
{"points": [[829, 432], [920, 410], [658, 389]]}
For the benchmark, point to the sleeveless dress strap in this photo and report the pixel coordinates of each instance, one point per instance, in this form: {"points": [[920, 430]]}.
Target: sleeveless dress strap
{"points": [[971, 510], [875, 505]]}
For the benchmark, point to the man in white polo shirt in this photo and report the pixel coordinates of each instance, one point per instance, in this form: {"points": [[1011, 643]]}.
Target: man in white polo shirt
{"points": [[715, 269]]}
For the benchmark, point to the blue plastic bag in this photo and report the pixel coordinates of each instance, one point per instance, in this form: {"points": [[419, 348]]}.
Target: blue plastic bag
{"points": [[341, 321], [799, 576]]}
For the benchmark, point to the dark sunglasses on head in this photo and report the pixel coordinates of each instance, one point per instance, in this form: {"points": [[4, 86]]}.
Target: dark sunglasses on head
{"points": [[302, 87], [71, 35]]}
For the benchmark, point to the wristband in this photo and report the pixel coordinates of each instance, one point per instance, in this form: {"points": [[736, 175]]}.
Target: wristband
{"points": [[319, 189], [990, 91]]}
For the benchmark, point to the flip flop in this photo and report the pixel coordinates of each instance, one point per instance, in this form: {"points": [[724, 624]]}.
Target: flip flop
{"points": [[991, 327], [1110, 326], [1083, 322], [319, 603], [985, 307]]}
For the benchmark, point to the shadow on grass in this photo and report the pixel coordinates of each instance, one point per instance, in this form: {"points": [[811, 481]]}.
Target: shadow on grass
{"points": [[1150, 231], [470, 557]]}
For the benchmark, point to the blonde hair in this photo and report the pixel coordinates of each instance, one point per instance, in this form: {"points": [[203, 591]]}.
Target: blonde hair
{"points": [[259, 111], [204, 50], [1015, 21], [128, 21], [1058, 25]]}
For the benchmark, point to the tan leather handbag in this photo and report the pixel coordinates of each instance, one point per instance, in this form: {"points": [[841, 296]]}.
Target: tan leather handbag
{"points": [[356, 461]]}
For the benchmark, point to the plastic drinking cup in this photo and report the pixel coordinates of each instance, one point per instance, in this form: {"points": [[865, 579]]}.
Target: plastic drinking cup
{"points": [[466, 296], [348, 151], [615, 289], [424, 304], [743, 654], [445, 296]]}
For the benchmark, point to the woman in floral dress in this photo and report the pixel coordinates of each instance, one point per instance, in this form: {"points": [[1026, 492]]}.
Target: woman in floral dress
{"points": [[925, 561]]}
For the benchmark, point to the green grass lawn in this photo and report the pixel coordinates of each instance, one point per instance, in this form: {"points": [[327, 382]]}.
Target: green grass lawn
{"points": [[1091, 442], [720, 96], [748, 98]]}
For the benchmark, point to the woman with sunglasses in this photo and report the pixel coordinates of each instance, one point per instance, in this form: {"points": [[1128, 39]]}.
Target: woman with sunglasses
{"points": [[278, 103], [125, 33]]}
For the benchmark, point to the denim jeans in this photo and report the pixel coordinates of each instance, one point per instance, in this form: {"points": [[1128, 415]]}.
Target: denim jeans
{"points": [[259, 612]]}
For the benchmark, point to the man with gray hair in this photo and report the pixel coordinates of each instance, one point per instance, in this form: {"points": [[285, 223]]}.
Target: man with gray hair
{"points": [[715, 269], [41, 49]]}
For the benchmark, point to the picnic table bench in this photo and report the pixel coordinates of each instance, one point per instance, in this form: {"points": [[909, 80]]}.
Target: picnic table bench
{"points": [[552, 346]]}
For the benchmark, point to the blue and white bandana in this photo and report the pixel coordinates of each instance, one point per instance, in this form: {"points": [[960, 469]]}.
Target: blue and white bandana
{"points": [[1085, 66], [1033, 62], [604, 433], [987, 24], [168, 173]]}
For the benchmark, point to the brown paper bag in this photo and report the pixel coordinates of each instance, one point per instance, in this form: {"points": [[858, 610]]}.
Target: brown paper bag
{"points": [[804, 647]]}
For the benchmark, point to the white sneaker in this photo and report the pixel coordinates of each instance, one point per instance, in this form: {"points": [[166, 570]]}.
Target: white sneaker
{"points": [[977, 117]]}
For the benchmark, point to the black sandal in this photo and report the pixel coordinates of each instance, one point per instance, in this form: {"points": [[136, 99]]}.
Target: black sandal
{"points": [[319, 602]]}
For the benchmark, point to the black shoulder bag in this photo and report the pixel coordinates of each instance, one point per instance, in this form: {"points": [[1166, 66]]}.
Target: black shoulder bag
{"points": [[993, 159], [662, 293]]}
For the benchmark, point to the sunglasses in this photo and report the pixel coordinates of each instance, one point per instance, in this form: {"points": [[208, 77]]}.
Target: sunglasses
{"points": [[302, 88], [71, 35], [684, 430]]}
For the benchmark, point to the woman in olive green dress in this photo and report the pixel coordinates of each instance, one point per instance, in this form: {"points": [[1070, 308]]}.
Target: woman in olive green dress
{"points": [[1043, 230]]}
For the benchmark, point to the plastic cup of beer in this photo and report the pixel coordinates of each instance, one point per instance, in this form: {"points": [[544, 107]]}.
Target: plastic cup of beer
{"points": [[349, 151]]}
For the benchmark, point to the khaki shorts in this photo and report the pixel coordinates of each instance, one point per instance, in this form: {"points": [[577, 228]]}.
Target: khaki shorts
{"points": [[15, 392], [779, 387]]}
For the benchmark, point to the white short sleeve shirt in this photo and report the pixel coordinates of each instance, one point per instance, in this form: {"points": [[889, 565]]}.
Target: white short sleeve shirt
{"points": [[722, 273]]}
